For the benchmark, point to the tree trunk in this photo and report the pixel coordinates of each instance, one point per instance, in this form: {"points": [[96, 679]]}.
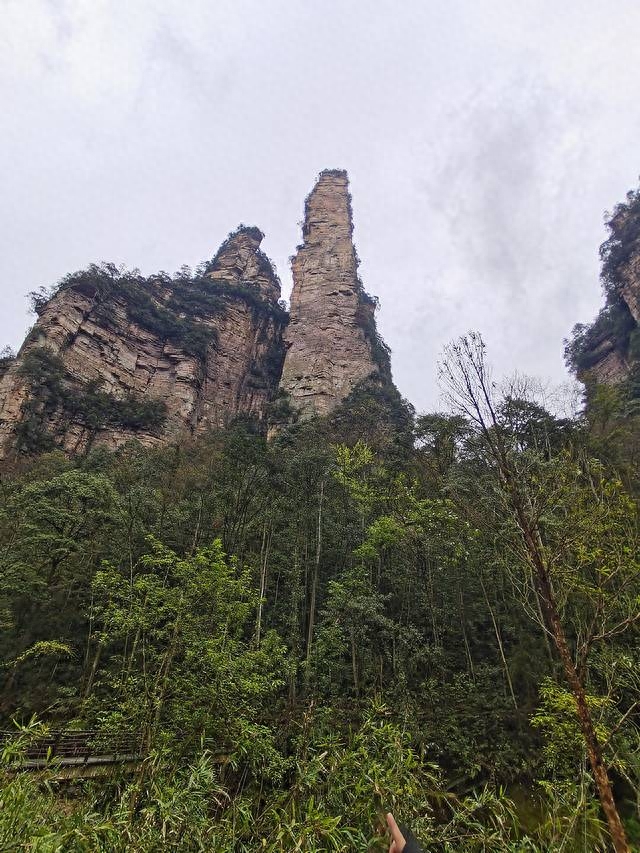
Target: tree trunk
{"points": [[196, 533], [594, 748], [163, 676], [92, 674], [465, 638], [316, 571], [354, 663], [555, 627], [470, 385], [264, 559], [499, 640]]}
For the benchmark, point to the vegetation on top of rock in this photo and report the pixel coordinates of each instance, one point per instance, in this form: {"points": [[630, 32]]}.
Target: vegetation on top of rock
{"points": [[249, 293], [614, 327], [623, 242], [366, 318], [53, 391], [171, 307], [265, 265], [376, 413], [7, 357], [280, 412]]}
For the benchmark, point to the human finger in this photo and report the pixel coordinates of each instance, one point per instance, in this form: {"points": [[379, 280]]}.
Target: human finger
{"points": [[396, 835]]}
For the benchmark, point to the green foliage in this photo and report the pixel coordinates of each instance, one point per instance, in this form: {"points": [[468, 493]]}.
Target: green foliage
{"points": [[42, 647], [613, 324], [366, 319], [557, 719], [180, 661], [623, 242], [54, 533], [146, 312], [7, 357], [280, 412], [334, 798], [250, 294], [175, 813], [171, 307], [304, 633], [375, 413]]}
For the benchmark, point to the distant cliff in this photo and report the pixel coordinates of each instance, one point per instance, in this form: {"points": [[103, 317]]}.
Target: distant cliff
{"points": [[608, 350], [115, 356]]}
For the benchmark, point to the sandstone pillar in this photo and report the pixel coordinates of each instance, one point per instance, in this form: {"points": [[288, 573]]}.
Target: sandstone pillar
{"points": [[331, 335]]}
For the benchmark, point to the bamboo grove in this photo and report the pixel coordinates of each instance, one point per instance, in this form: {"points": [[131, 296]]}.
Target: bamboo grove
{"points": [[437, 615]]}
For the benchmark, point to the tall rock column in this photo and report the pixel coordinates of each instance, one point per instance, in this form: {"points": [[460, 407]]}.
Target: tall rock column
{"points": [[331, 338]]}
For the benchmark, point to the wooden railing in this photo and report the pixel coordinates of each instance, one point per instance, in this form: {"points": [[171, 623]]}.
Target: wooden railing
{"points": [[77, 749]]}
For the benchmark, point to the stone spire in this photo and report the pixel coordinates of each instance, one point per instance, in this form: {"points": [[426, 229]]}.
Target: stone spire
{"points": [[331, 334], [241, 261]]}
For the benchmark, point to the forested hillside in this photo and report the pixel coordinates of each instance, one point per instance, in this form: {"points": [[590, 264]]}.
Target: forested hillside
{"points": [[304, 633], [273, 642]]}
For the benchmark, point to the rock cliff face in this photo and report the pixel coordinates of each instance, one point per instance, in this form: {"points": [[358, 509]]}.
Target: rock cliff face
{"points": [[610, 365], [115, 356], [332, 342], [608, 350]]}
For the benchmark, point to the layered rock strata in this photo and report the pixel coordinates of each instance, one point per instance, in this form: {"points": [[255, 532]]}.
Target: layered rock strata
{"points": [[610, 365], [114, 356], [331, 338], [152, 359]]}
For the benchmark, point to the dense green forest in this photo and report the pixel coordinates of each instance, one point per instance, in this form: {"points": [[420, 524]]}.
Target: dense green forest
{"points": [[303, 633], [437, 615]]}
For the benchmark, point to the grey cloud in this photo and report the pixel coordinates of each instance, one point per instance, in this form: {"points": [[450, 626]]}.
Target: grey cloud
{"points": [[483, 138]]}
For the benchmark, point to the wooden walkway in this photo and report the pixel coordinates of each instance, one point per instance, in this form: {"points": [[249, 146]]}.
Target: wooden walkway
{"points": [[78, 754]]}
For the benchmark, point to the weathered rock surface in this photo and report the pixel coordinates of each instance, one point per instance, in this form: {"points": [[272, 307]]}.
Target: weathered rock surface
{"points": [[610, 365], [114, 356], [331, 338], [609, 349], [609, 355], [96, 340], [240, 260]]}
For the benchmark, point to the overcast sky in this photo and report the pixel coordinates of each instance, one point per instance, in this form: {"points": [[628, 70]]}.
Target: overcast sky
{"points": [[484, 140]]}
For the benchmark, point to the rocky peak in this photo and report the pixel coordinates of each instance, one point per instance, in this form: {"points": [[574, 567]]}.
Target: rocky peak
{"points": [[241, 261], [115, 356], [332, 342]]}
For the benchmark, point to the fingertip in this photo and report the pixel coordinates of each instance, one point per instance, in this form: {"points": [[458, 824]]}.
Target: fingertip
{"points": [[396, 834]]}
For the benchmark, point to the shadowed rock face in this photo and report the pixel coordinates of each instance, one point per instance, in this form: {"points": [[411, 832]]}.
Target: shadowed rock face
{"points": [[610, 365], [98, 343], [610, 358], [610, 354], [328, 339]]}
